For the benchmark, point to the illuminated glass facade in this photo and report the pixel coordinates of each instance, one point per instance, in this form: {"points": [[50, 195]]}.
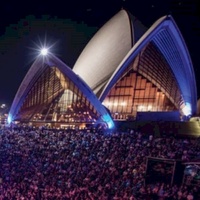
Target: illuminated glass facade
{"points": [[147, 84], [52, 94], [156, 75], [54, 98]]}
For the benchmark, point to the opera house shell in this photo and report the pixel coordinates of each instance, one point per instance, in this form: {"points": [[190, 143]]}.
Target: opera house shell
{"points": [[125, 69], [52, 95], [129, 74]]}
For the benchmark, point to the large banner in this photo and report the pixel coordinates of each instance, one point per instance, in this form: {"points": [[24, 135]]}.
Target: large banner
{"points": [[162, 171]]}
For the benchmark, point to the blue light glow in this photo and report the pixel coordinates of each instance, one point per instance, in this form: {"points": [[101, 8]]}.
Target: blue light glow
{"points": [[110, 124], [108, 120], [9, 119], [187, 110]]}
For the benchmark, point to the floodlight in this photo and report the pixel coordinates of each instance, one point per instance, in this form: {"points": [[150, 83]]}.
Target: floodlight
{"points": [[44, 51], [187, 109]]}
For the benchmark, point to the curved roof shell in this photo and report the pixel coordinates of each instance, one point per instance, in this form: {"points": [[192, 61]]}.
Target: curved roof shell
{"points": [[165, 34], [107, 48], [34, 73]]}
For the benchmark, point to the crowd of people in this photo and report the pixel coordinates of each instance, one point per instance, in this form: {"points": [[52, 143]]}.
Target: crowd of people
{"points": [[44, 164]]}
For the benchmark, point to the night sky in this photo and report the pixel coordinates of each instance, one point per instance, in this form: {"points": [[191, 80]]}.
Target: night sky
{"points": [[67, 27]]}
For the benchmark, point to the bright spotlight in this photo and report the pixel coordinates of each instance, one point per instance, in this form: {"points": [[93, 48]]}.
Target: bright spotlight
{"points": [[9, 119], [44, 51], [187, 109]]}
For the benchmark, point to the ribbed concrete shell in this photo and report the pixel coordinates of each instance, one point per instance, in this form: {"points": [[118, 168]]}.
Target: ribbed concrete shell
{"points": [[106, 49], [165, 34], [35, 72]]}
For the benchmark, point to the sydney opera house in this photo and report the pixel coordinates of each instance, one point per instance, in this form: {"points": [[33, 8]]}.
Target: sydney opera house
{"points": [[125, 71]]}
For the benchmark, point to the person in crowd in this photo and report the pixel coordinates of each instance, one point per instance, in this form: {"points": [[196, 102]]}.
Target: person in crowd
{"points": [[50, 164]]}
